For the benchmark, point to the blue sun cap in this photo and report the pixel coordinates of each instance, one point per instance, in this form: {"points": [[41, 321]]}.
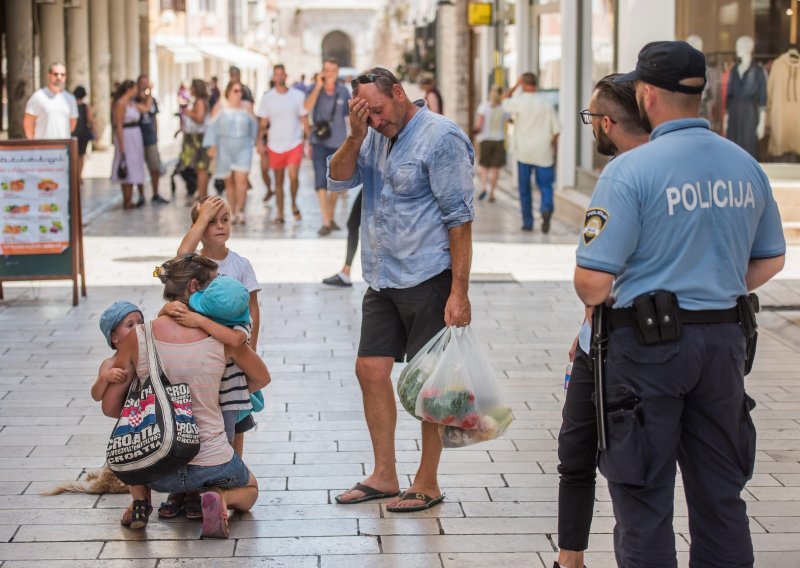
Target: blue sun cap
{"points": [[225, 300], [113, 316]]}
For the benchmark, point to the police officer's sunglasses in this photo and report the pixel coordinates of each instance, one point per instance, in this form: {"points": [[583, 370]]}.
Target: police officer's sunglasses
{"points": [[372, 77], [587, 116]]}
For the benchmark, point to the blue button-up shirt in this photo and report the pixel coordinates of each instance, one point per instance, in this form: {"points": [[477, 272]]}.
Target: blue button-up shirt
{"points": [[411, 197]]}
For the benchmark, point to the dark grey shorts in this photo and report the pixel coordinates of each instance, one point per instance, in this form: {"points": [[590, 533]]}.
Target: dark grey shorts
{"points": [[399, 322]]}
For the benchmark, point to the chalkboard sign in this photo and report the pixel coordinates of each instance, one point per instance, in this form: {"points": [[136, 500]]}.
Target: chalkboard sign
{"points": [[40, 213]]}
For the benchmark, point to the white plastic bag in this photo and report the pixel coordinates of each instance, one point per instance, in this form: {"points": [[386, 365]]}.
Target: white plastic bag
{"points": [[462, 392], [421, 366]]}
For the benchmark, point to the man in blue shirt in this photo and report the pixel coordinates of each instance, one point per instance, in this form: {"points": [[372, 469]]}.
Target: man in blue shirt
{"points": [[692, 214], [149, 128], [416, 168]]}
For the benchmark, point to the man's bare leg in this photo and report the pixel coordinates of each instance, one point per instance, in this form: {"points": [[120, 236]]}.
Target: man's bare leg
{"points": [[265, 176], [381, 414], [294, 184], [279, 194], [425, 481]]}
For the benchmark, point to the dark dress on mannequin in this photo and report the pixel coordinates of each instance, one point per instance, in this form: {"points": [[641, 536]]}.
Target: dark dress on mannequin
{"points": [[746, 94]]}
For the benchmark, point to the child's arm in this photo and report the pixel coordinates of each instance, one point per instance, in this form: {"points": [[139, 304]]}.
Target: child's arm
{"points": [[208, 210], [106, 376], [221, 333], [255, 314], [251, 364], [125, 361]]}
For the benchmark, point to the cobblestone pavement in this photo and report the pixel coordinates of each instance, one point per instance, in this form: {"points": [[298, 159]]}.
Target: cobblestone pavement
{"points": [[311, 440]]}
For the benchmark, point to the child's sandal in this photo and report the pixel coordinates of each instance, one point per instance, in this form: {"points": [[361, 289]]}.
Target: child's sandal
{"points": [[139, 514]]}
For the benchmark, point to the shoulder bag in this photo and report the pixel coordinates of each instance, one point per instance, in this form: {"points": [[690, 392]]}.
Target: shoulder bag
{"points": [[156, 433], [322, 128]]}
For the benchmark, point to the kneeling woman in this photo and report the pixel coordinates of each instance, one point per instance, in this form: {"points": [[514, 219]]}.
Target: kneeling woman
{"points": [[191, 356]]}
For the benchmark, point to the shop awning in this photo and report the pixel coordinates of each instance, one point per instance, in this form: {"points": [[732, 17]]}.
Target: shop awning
{"points": [[235, 55], [183, 53]]}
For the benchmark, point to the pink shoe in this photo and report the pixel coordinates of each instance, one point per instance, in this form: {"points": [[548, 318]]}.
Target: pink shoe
{"points": [[215, 516]]}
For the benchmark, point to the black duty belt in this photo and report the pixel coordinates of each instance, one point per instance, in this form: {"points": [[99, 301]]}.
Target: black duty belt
{"points": [[624, 317]]}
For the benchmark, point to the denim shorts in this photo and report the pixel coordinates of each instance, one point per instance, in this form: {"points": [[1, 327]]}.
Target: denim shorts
{"points": [[197, 477]]}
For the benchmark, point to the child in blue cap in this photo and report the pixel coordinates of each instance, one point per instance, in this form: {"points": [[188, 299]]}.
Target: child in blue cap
{"points": [[116, 323]]}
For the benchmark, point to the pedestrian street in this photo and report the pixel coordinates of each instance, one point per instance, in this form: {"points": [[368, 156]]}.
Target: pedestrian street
{"points": [[311, 440]]}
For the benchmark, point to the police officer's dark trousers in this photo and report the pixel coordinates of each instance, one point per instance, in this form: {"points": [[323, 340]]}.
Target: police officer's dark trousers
{"points": [[577, 456], [681, 401]]}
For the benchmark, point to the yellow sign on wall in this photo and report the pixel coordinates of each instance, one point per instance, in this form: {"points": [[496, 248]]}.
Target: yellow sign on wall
{"points": [[479, 14]]}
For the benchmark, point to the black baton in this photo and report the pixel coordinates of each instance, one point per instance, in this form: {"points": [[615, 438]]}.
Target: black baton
{"points": [[599, 346]]}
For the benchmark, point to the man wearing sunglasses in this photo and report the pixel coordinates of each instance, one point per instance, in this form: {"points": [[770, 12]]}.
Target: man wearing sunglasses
{"points": [[416, 168], [51, 112]]}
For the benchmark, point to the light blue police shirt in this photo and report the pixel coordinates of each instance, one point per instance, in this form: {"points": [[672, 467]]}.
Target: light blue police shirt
{"points": [[411, 197], [685, 213]]}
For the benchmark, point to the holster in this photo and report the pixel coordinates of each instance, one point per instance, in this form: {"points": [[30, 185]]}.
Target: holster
{"points": [[748, 306], [657, 317]]}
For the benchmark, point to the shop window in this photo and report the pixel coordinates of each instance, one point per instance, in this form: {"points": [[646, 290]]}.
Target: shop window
{"points": [[753, 71]]}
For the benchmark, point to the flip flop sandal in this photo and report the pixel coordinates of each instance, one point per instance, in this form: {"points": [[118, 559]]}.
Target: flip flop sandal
{"points": [[173, 506], [428, 502], [370, 494], [139, 515], [215, 516], [278, 221], [297, 215], [194, 508]]}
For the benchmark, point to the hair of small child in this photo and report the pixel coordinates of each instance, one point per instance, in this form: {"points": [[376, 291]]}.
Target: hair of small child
{"points": [[195, 212]]}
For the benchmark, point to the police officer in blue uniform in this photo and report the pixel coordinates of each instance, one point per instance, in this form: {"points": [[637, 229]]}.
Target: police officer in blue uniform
{"points": [[682, 228]]}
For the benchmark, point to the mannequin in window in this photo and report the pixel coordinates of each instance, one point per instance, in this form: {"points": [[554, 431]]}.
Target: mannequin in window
{"points": [[745, 117], [710, 103], [783, 105]]}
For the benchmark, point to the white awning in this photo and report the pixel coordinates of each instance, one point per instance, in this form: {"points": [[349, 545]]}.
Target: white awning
{"points": [[183, 53], [235, 55]]}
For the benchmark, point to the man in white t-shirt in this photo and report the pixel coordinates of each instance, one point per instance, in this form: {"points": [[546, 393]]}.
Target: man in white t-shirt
{"points": [[282, 110], [535, 137], [51, 112]]}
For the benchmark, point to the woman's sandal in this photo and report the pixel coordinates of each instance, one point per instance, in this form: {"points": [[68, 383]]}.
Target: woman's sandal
{"points": [[194, 508], [297, 215], [136, 515], [173, 506]]}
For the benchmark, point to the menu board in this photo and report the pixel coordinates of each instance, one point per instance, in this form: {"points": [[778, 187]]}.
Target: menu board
{"points": [[40, 213], [34, 203]]}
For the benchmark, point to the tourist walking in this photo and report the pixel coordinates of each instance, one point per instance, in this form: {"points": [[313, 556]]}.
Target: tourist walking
{"points": [[327, 106], [231, 135], [149, 125], [51, 113], [426, 209], [490, 128], [534, 143], [193, 154], [282, 110]]}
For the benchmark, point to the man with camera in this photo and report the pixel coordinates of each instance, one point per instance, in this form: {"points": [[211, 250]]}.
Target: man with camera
{"points": [[327, 106]]}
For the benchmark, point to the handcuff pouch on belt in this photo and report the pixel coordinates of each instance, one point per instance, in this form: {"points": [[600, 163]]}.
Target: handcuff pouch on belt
{"points": [[748, 307], [657, 317]]}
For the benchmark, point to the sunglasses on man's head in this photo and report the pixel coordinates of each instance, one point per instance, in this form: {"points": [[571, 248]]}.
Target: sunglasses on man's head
{"points": [[367, 78]]}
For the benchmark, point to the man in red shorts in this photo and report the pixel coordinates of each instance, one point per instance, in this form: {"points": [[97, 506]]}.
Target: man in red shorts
{"points": [[282, 111]]}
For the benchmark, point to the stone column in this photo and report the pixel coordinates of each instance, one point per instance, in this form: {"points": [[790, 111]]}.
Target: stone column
{"points": [[100, 62], [452, 60], [19, 46], [144, 37], [117, 29], [132, 38], [51, 22], [78, 38]]}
